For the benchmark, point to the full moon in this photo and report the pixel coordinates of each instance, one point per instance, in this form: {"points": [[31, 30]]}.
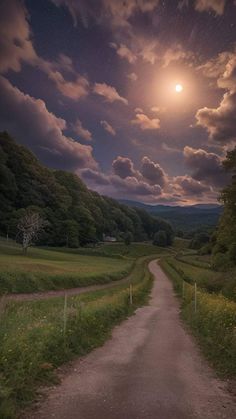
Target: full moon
{"points": [[178, 88]]}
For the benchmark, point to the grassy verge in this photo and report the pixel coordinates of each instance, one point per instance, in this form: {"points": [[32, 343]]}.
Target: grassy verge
{"points": [[45, 270], [35, 338], [214, 322], [209, 280]]}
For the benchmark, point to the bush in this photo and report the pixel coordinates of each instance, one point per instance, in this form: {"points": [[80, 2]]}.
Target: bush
{"points": [[160, 238]]}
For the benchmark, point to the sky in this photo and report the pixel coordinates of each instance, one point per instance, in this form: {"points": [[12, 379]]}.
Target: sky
{"points": [[90, 87]]}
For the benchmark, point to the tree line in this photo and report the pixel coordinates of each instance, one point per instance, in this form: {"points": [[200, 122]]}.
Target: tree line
{"points": [[75, 216]]}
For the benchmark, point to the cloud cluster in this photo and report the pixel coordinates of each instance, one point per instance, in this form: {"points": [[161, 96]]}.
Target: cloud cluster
{"points": [[153, 172], [220, 122], [146, 123], [205, 166], [43, 131]]}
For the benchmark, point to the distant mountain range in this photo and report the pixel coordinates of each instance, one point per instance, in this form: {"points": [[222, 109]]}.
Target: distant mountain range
{"points": [[186, 218]]}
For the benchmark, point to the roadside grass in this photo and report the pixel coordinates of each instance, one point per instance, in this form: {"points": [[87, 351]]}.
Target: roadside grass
{"points": [[213, 323], [43, 270], [36, 337], [200, 261], [207, 279], [118, 250]]}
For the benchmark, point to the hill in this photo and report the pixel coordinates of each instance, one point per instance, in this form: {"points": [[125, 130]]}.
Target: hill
{"points": [[187, 218], [76, 215]]}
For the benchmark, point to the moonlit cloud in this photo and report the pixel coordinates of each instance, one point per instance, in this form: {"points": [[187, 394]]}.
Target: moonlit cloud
{"points": [[132, 76], [81, 131], [46, 130], [109, 93], [206, 5], [153, 172], [146, 123], [108, 127], [124, 52]]}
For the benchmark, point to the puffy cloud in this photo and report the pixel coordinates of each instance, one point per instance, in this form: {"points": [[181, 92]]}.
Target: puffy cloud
{"points": [[217, 6], [152, 172], [146, 123], [191, 186], [15, 38], [123, 167], [81, 131], [215, 66], [29, 120], [206, 166], [148, 50], [72, 89], [108, 127], [133, 186], [220, 122], [228, 78], [109, 93], [124, 52], [132, 76]]}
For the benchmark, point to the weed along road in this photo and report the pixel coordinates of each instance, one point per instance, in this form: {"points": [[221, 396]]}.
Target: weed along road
{"points": [[150, 368]]}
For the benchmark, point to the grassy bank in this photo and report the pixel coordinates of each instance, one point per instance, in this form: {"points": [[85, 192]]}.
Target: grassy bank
{"points": [[36, 337], [214, 322], [44, 269], [193, 269]]}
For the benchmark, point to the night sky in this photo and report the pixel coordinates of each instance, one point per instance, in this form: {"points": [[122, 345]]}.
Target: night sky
{"points": [[90, 87]]}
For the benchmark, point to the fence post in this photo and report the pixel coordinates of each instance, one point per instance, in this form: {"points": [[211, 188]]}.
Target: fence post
{"points": [[183, 289], [131, 294], [195, 297], [65, 315]]}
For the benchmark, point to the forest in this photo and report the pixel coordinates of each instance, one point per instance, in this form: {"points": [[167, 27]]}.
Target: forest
{"points": [[75, 215]]}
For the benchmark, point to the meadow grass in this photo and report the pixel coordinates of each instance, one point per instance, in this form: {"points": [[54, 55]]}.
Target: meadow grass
{"points": [[44, 269], [207, 279], [35, 338], [213, 323]]}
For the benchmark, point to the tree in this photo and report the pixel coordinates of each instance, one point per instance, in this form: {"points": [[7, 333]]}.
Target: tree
{"points": [[160, 238], [128, 238], [29, 228]]}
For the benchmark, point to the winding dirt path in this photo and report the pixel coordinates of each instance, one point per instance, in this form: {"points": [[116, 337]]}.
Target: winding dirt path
{"points": [[151, 368]]}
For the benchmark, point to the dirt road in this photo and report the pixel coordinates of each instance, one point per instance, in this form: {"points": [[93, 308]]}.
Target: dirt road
{"points": [[149, 369]]}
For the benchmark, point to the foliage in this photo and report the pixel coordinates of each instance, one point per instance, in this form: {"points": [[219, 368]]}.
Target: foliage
{"points": [[34, 341], [76, 215], [30, 225], [160, 239], [214, 323], [128, 238], [225, 243]]}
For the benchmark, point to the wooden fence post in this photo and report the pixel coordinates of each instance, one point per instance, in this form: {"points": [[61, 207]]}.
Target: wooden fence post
{"points": [[65, 315], [131, 294], [183, 289], [195, 297]]}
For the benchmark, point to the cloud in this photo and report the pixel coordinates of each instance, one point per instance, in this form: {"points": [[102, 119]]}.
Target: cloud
{"points": [[145, 123], [217, 6], [109, 93], [108, 127], [30, 122], [132, 76], [72, 89], [228, 79], [81, 131], [220, 123], [124, 52], [215, 66], [152, 172], [190, 186], [133, 186], [15, 37], [123, 167], [175, 53], [94, 177], [206, 166], [115, 13]]}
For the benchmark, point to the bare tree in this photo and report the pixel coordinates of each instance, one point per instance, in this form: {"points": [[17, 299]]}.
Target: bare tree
{"points": [[29, 227]]}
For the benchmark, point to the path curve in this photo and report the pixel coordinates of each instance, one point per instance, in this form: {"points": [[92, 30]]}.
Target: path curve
{"points": [[44, 295], [151, 368]]}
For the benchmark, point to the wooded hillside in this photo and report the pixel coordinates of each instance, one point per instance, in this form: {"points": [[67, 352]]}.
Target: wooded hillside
{"points": [[76, 215]]}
